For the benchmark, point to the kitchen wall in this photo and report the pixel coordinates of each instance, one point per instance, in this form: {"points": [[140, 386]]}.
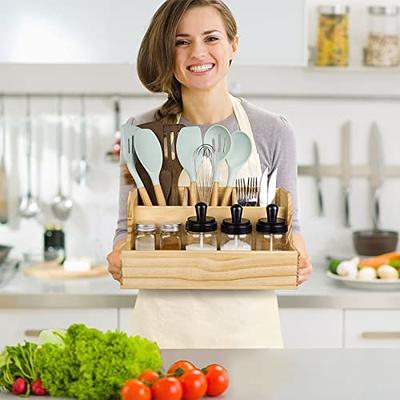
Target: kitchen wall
{"points": [[90, 228]]}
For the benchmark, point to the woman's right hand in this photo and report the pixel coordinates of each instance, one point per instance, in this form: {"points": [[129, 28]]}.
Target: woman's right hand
{"points": [[114, 261]]}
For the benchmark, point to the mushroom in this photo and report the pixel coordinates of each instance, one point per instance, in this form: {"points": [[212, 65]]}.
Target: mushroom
{"points": [[348, 268], [388, 272], [367, 274]]}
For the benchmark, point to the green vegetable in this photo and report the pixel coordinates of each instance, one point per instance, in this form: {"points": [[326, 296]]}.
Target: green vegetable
{"points": [[55, 336], [18, 361], [395, 263], [333, 264], [94, 365]]}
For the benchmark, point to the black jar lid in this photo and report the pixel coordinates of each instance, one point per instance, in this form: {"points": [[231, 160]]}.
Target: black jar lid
{"points": [[236, 225], [200, 222], [272, 224]]}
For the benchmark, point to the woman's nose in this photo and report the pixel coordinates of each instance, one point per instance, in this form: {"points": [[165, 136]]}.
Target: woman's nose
{"points": [[198, 49]]}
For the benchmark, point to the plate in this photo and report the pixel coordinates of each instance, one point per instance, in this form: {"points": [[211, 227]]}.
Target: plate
{"points": [[378, 284]]}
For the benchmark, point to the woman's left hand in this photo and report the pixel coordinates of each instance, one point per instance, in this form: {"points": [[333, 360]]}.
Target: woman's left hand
{"points": [[305, 268]]}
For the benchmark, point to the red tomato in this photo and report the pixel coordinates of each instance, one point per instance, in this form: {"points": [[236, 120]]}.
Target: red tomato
{"points": [[183, 367], [217, 379], [194, 385], [135, 390], [149, 376], [168, 388]]}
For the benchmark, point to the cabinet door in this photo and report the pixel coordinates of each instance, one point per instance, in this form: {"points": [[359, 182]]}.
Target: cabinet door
{"points": [[124, 319], [25, 324], [372, 328], [312, 327]]}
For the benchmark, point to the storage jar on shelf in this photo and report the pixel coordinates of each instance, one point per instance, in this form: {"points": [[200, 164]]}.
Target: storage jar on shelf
{"points": [[383, 49], [201, 230], [145, 238], [170, 237], [333, 36]]}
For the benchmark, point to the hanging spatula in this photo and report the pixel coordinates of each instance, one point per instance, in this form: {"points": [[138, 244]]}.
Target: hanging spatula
{"points": [[127, 137], [148, 150]]}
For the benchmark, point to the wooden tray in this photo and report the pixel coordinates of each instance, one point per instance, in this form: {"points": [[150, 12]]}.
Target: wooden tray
{"points": [[52, 270], [206, 269]]}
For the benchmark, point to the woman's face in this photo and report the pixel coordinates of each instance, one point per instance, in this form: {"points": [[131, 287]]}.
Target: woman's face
{"points": [[202, 49]]}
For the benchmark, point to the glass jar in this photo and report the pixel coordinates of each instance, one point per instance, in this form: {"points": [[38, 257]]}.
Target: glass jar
{"points": [[383, 48], [145, 238], [271, 231], [170, 237], [54, 243], [236, 231], [201, 230], [333, 37]]}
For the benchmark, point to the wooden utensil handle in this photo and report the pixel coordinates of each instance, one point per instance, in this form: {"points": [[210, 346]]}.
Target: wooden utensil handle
{"points": [[214, 194], [145, 196], [183, 195], [193, 193], [159, 195], [227, 196]]}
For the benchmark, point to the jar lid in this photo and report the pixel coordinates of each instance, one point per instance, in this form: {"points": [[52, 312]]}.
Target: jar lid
{"points": [[170, 227], [272, 224], [236, 225], [384, 10], [334, 10], [200, 222], [145, 227]]}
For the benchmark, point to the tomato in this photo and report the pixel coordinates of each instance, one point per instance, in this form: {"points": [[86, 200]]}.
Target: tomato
{"points": [[149, 376], [194, 385], [135, 390], [181, 365], [168, 388], [217, 379]]}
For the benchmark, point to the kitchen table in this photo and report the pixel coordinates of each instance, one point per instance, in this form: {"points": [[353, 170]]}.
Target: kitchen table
{"points": [[300, 374]]}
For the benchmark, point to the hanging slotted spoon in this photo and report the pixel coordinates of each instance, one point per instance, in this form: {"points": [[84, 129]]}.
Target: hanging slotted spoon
{"points": [[149, 152], [189, 139], [83, 165], [238, 155], [220, 139]]}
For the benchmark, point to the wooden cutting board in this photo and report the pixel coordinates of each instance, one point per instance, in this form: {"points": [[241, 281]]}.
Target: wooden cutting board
{"points": [[51, 270]]}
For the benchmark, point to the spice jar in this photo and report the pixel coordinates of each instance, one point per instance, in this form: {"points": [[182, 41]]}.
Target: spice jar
{"points": [[145, 239], [170, 237], [201, 230], [236, 231], [271, 231], [54, 243], [383, 48], [333, 38]]}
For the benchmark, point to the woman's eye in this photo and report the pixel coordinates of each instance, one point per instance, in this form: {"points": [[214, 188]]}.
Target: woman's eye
{"points": [[212, 39], [181, 42]]}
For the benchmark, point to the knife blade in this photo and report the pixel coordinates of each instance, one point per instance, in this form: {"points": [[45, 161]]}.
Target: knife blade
{"points": [[272, 185], [375, 150], [263, 194], [346, 169], [317, 171]]}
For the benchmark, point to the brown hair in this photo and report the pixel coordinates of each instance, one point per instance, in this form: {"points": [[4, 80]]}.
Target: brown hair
{"points": [[155, 62]]}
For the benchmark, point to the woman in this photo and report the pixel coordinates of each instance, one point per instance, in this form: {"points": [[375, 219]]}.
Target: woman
{"points": [[186, 53]]}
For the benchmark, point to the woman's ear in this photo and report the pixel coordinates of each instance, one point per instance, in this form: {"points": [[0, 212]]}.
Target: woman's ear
{"points": [[235, 45]]}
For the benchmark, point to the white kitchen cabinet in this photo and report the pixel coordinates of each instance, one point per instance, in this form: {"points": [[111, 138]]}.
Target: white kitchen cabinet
{"points": [[312, 327], [124, 319], [17, 325], [372, 328]]}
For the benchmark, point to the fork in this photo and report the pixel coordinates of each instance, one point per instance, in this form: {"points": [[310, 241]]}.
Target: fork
{"points": [[247, 192]]}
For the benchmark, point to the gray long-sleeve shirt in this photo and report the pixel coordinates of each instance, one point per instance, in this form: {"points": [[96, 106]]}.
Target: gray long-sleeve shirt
{"points": [[275, 144]]}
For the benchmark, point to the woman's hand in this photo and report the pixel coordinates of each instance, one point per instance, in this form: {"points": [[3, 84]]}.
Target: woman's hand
{"points": [[114, 261], [305, 266]]}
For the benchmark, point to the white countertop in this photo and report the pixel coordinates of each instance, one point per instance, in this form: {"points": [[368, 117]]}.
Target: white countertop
{"points": [[102, 292]]}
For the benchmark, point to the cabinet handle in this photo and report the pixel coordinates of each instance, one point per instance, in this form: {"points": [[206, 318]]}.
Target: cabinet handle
{"points": [[381, 335], [33, 332]]}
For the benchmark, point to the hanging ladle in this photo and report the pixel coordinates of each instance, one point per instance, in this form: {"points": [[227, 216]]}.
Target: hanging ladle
{"points": [[83, 166], [29, 205], [62, 204]]}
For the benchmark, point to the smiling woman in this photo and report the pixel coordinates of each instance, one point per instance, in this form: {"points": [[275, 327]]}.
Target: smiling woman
{"points": [[186, 53]]}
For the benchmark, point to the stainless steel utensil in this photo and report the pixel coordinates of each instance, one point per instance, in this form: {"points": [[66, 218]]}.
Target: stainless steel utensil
{"points": [[3, 172], [29, 205], [263, 191], [247, 191], [376, 163], [62, 204], [205, 164], [82, 169], [272, 186], [346, 169], [317, 176]]}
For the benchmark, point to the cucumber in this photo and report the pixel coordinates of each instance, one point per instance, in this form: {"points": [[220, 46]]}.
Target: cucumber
{"points": [[333, 264]]}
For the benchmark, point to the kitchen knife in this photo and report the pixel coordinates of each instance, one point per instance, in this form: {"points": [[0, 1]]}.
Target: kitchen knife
{"points": [[377, 171], [346, 170], [263, 194], [317, 171], [272, 186]]}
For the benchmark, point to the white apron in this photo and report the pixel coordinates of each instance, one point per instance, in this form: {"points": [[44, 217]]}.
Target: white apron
{"points": [[193, 319]]}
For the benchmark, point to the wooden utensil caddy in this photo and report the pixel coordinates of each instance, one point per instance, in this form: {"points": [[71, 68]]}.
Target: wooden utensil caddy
{"points": [[170, 269]]}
